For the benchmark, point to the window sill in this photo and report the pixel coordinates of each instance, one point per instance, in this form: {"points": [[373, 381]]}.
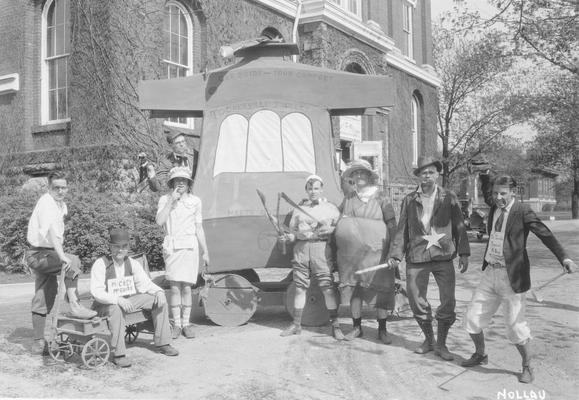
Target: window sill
{"points": [[50, 127]]}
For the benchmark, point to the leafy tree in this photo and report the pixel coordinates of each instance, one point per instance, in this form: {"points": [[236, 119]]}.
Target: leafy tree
{"points": [[546, 31], [477, 98]]}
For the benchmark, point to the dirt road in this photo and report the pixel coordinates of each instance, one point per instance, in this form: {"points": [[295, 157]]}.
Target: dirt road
{"points": [[254, 362]]}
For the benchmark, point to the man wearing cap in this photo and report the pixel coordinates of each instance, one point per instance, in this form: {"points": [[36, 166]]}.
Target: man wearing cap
{"points": [[363, 239], [312, 253], [46, 257], [506, 270], [180, 156], [119, 286], [431, 232]]}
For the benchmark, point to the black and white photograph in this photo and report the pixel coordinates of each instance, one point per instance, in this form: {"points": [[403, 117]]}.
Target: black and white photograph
{"points": [[289, 199]]}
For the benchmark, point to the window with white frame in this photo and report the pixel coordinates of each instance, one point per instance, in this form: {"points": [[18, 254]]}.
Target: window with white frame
{"points": [[408, 29], [265, 143], [415, 115], [352, 6], [54, 67], [177, 58]]}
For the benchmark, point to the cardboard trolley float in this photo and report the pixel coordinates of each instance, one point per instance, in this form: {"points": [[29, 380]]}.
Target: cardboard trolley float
{"points": [[266, 127]]}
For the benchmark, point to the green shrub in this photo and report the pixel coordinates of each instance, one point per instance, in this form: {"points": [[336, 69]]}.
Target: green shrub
{"points": [[90, 213]]}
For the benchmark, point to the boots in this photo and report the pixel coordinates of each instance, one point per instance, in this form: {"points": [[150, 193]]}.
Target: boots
{"points": [[441, 350], [356, 329], [383, 333], [429, 343], [80, 312], [479, 357], [527, 374]]}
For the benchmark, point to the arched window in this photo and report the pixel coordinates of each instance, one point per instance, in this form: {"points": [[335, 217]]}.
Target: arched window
{"points": [[178, 54], [415, 120], [54, 66], [265, 143]]}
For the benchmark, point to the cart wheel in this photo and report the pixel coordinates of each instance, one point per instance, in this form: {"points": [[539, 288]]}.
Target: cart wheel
{"points": [[131, 333], [60, 348], [315, 311], [95, 353], [231, 300]]}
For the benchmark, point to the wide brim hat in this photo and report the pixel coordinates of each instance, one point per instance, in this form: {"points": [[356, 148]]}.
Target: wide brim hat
{"points": [[357, 165], [119, 236], [427, 161], [179, 172]]}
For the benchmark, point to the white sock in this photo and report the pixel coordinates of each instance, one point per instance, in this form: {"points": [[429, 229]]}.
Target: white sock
{"points": [[186, 315], [176, 311]]}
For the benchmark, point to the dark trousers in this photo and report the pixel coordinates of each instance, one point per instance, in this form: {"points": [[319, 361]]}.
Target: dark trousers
{"points": [[46, 266], [417, 276]]}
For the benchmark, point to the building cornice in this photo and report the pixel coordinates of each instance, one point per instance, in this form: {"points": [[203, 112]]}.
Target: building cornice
{"points": [[367, 32], [425, 73]]}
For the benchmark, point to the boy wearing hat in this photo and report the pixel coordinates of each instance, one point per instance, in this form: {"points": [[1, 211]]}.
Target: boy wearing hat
{"points": [[180, 156], [431, 232], [119, 286], [312, 253]]}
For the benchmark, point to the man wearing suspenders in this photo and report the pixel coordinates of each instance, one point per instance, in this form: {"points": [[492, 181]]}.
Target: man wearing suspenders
{"points": [[119, 286]]}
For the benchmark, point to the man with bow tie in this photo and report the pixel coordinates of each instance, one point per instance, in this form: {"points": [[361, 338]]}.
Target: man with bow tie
{"points": [[180, 156], [312, 253], [431, 232], [506, 270]]}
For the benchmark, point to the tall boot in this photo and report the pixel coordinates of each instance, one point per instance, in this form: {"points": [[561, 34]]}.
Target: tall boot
{"points": [[441, 350], [429, 343], [479, 357], [38, 324], [296, 327], [527, 374]]}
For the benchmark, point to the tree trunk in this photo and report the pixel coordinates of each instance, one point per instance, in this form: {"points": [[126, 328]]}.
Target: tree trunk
{"points": [[575, 195]]}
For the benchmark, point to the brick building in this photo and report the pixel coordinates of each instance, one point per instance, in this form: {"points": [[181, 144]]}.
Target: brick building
{"points": [[69, 68]]}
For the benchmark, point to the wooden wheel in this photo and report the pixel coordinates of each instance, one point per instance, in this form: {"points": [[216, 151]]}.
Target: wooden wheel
{"points": [[231, 300], [95, 353], [315, 311], [60, 348], [131, 333]]}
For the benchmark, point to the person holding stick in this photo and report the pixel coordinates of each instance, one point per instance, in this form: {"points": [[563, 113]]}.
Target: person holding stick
{"points": [[506, 270], [311, 230], [363, 235], [431, 233]]}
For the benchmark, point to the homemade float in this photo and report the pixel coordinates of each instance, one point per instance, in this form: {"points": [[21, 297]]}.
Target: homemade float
{"points": [[266, 127]]}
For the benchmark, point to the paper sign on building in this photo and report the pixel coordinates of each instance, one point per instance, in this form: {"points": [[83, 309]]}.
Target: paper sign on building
{"points": [[124, 286]]}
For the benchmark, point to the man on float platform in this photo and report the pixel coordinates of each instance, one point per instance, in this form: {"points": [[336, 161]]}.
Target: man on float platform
{"points": [[120, 286]]}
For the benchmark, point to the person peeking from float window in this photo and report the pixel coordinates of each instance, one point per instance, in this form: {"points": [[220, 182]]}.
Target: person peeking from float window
{"points": [[312, 254], [179, 212], [363, 236], [179, 156]]}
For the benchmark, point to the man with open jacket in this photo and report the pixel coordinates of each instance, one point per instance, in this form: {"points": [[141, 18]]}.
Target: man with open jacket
{"points": [[431, 232]]}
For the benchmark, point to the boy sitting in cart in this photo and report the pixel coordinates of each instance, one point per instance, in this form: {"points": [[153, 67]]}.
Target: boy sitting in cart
{"points": [[120, 285]]}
